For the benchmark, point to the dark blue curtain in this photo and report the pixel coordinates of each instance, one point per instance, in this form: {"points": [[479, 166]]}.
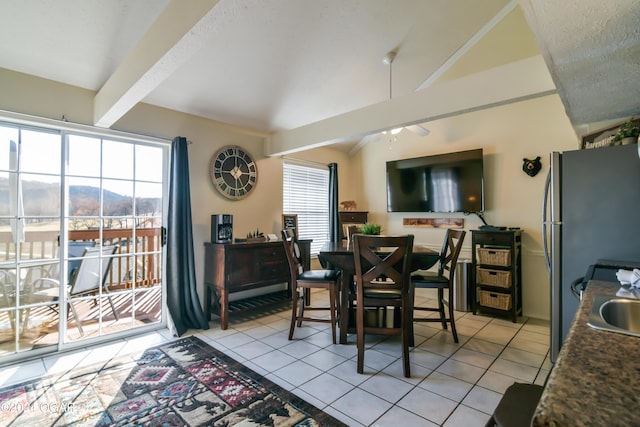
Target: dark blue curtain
{"points": [[182, 295], [334, 220]]}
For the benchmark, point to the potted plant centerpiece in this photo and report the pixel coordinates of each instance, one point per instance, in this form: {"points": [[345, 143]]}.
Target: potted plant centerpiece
{"points": [[627, 133], [371, 229]]}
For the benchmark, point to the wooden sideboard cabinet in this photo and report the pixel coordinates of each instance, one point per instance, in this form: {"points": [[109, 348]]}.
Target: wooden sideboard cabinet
{"points": [[497, 272], [235, 267], [351, 218]]}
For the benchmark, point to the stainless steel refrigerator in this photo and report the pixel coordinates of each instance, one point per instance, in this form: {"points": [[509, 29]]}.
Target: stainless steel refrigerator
{"points": [[591, 212]]}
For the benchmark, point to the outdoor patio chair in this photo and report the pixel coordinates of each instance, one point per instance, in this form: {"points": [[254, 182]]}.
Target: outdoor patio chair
{"points": [[87, 279], [8, 293]]}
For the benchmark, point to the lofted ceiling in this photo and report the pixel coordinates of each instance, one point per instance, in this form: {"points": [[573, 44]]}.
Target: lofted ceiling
{"points": [[274, 66]]}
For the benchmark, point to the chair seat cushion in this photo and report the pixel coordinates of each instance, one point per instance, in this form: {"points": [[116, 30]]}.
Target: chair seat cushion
{"points": [[429, 279], [319, 275], [383, 293], [49, 294]]}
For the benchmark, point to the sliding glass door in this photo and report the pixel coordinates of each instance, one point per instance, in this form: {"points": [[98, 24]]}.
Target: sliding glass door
{"points": [[81, 221], [30, 208]]}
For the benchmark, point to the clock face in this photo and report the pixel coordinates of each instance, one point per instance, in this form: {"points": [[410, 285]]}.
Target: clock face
{"points": [[233, 172]]}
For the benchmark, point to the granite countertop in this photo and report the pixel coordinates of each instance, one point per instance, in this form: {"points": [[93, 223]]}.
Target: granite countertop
{"points": [[596, 378]]}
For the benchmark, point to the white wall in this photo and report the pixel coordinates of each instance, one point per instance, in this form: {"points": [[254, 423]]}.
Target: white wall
{"points": [[262, 209], [507, 134]]}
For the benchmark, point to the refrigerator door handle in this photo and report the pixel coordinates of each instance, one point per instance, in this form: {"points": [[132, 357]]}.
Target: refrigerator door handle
{"points": [[545, 240]]}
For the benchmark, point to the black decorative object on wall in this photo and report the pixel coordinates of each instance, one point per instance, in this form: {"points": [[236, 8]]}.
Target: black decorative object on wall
{"points": [[531, 167]]}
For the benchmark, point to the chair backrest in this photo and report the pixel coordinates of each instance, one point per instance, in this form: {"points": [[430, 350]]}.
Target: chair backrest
{"points": [[75, 249], [92, 272], [382, 262], [351, 230], [450, 251], [292, 249]]}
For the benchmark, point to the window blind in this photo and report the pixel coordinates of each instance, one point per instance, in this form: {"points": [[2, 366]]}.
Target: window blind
{"points": [[306, 194]]}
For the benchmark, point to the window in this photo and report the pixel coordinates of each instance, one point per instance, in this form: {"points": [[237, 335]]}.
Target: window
{"points": [[306, 193]]}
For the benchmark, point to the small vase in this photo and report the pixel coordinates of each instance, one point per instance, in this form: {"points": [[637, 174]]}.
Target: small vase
{"points": [[629, 140]]}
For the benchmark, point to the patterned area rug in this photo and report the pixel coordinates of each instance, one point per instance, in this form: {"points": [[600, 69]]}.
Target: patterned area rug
{"points": [[182, 383]]}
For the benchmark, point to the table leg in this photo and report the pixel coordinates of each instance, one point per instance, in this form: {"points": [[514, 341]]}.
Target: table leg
{"points": [[343, 324], [224, 309], [207, 300]]}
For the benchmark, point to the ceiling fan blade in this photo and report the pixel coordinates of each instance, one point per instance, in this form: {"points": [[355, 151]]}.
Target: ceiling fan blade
{"points": [[417, 129]]}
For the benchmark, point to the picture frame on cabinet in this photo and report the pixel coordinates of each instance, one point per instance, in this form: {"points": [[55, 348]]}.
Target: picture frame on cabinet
{"points": [[290, 221]]}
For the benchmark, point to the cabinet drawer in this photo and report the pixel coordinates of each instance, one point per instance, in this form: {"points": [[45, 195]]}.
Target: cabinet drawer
{"points": [[273, 270], [357, 217], [497, 239], [273, 253]]}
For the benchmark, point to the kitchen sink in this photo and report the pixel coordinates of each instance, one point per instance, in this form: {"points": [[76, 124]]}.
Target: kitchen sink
{"points": [[615, 314]]}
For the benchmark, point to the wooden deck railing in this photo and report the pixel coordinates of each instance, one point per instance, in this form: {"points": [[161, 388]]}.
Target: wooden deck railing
{"points": [[138, 260], [144, 268]]}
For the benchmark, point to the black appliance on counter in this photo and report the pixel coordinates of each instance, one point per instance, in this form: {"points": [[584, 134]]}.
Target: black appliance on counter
{"points": [[591, 212], [221, 228]]}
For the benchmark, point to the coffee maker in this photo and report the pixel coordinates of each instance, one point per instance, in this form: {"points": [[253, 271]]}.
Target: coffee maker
{"points": [[221, 228]]}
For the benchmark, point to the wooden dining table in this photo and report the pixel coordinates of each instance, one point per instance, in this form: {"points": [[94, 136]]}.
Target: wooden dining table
{"points": [[339, 255]]}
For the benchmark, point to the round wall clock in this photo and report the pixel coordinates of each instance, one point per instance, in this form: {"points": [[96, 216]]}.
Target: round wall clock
{"points": [[233, 172]]}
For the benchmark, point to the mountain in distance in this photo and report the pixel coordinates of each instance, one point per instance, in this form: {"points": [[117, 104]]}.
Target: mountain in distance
{"points": [[83, 198], [86, 191]]}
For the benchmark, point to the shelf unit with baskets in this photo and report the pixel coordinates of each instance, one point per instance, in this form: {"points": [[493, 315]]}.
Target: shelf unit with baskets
{"points": [[497, 272]]}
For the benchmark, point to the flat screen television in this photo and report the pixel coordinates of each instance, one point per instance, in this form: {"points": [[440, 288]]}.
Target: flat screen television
{"points": [[451, 182]]}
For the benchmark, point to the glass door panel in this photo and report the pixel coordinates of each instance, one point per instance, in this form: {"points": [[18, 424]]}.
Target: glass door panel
{"points": [[80, 237], [39, 186], [29, 227], [120, 206]]}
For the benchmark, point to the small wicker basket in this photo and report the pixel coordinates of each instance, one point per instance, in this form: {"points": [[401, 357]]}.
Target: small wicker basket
{"points": [[501, 257], [499, 278], [495, 300]]}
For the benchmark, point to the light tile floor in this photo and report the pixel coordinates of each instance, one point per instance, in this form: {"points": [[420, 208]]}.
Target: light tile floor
{"points": [[451, 384]]}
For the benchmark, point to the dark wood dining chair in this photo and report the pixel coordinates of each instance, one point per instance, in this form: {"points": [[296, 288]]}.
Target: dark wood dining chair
{"points": [[351, 230], [382, 280], [442, 280], [304, 280]]}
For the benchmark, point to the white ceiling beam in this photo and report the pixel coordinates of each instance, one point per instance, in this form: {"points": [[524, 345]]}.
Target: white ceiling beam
{"points": [[469, 44], [466, 47], [173, 38], [514, 82]]}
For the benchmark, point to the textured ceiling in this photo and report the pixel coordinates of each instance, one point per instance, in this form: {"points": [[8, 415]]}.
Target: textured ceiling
{"points": [[276, 65], [592, 49]]}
